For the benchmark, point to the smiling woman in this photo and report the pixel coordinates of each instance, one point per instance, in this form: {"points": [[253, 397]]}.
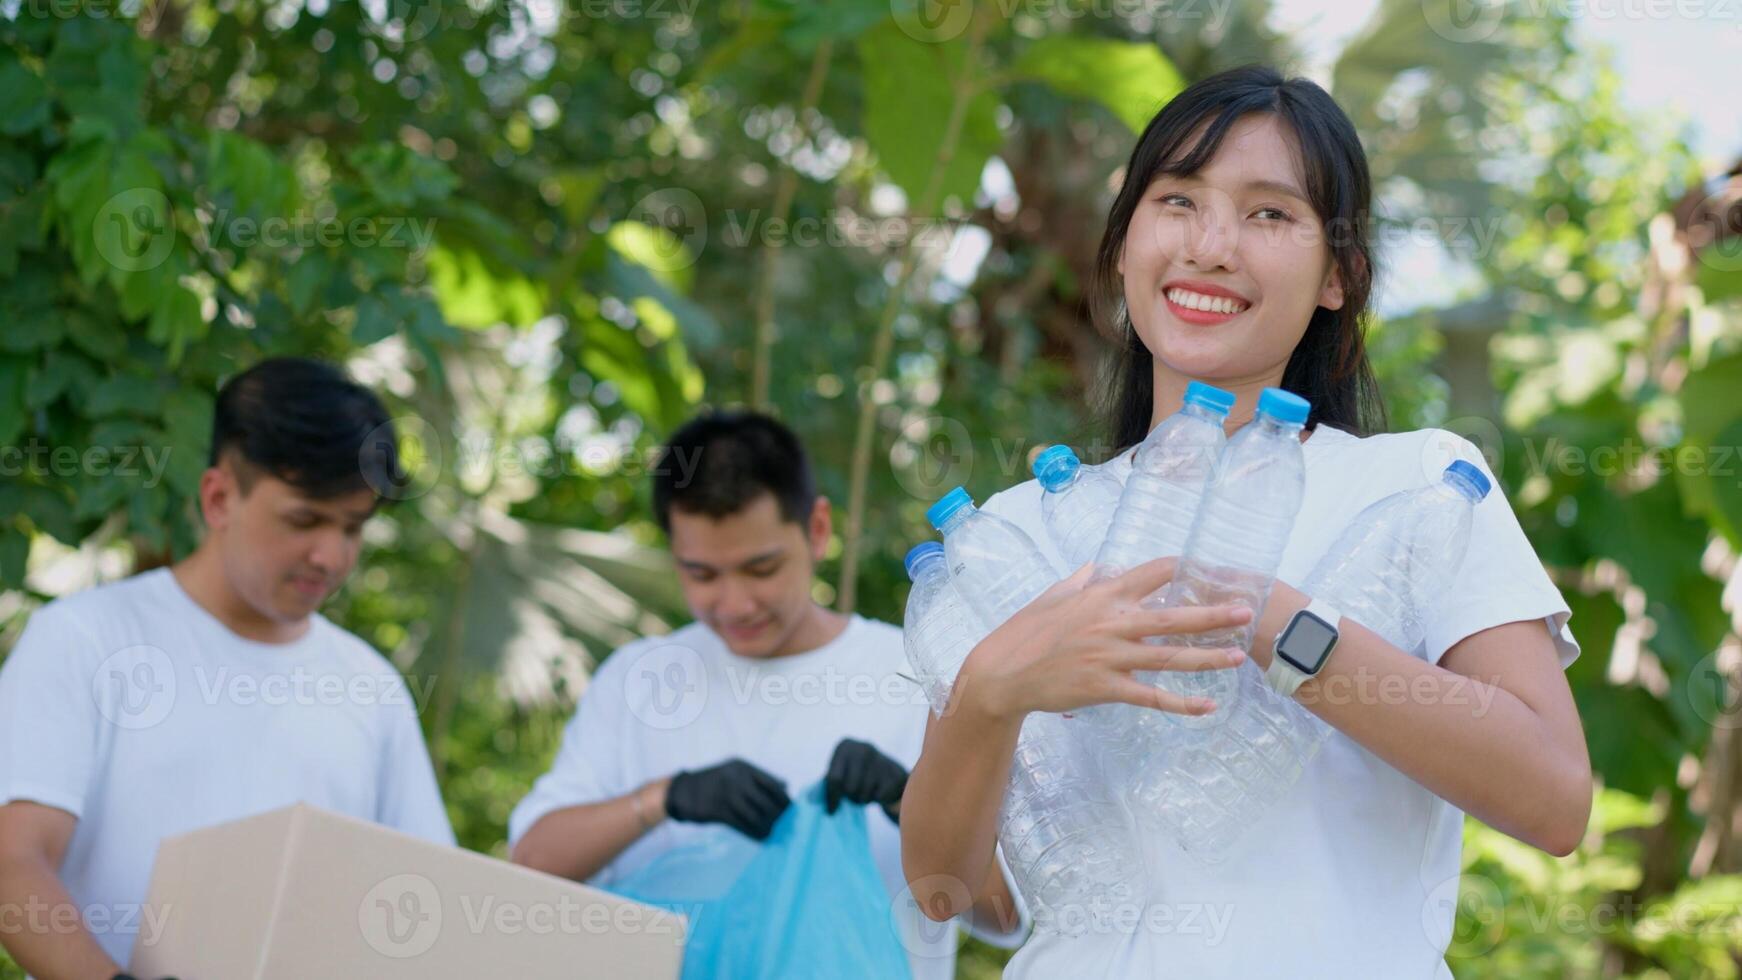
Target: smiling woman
{"points": [[1236, 255], [1244, 208]]}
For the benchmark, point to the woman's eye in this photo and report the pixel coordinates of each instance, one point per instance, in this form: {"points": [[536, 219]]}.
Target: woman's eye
{"points": [[1272, 214], [1177, 200]]}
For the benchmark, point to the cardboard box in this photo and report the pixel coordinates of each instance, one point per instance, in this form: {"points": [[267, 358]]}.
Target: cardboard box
{"points": [[303, 893]]}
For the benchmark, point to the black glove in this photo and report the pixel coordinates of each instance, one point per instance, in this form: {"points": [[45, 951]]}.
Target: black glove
{"points": [[734, 793], [860, 774]]}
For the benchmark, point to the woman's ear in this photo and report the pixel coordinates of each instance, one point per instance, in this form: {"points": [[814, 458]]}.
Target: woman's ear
{"points": [[1331, 296]]}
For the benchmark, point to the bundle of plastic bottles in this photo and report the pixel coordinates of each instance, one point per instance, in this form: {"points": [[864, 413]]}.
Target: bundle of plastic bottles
{"points": [[1083, 786]]}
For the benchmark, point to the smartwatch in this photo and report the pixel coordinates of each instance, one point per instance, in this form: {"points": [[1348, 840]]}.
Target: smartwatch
{"points": [[1302, 647]]}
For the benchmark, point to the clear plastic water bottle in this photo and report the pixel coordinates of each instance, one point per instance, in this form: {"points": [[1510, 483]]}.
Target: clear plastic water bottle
{"points": [[1236, 543], [937, 631], [1385, 571], [995, 565], [1152, 520], [1076, 504], [1172, 467], [1068, 840], [1393, 560]]}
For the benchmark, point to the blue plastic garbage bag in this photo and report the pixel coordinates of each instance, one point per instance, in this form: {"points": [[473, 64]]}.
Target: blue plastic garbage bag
{"points": [[807, 902]]}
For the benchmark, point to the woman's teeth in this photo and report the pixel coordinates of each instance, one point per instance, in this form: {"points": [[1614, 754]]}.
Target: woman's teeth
{"points": [[1209, 304]]}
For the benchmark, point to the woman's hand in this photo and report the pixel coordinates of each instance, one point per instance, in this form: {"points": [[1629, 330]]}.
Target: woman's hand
{"points": [[1077, 643]]}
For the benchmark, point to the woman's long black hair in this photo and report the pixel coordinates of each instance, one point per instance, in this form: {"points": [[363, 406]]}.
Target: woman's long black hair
{"points": [[1329, 367]]}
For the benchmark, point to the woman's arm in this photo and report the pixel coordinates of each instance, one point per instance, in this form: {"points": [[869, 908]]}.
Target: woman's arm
{"points": [[1074, 646], [1492, 729]]}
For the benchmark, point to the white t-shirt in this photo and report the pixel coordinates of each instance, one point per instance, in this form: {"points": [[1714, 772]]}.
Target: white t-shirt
{"points": [[135, 710], [666, 704], [1355, 872]]}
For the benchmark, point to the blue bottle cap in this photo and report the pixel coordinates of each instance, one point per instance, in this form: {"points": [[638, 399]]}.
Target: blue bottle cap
{"points": [[939, 513], [1284, 406], [1054, 466], [1468, 474], [919, 553], [1210, 397]]}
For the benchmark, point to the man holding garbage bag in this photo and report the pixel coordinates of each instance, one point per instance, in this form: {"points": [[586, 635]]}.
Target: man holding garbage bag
{"points": [[723, 722]]}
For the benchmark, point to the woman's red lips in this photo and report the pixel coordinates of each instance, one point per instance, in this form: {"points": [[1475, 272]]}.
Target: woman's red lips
{"points": [[1203, 303]]}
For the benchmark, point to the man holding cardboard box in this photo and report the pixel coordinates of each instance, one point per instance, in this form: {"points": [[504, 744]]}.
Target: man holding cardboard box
{"points": [[723, 720], [190, 696]]}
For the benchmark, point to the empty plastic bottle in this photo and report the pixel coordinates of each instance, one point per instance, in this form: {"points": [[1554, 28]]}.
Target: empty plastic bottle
{"points": [[1168, 476], [1076, 504], [994, 565], [1237, 540], [1154, 517], [937, 631], [1399, 554], [1385, 571], [1068, 840]]}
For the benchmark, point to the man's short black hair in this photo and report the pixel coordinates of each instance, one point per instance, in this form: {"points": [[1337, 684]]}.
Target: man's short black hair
{"points": [[718, 463], [306, 423]]}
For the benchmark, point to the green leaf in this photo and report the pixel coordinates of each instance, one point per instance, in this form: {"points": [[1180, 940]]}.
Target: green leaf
{"points": [[303, 282], [126, 394], [58, 373], [24, 101], [1131, 78], [103, 339], [13, 417], [809, 22], [1639, 756], [375, 321], [51, 510], [908, 92], [1712, 437], [32, 331], [14, 556], [398, 177]]}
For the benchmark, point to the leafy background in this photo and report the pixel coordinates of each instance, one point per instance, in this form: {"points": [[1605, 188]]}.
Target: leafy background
{"points": [[548, 233]]}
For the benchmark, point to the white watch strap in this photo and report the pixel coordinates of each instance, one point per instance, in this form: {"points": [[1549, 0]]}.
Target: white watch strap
{"points": [[1285, 678]]}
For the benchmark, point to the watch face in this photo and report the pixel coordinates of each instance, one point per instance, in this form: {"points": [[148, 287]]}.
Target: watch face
{"points": [[1306, 642]]}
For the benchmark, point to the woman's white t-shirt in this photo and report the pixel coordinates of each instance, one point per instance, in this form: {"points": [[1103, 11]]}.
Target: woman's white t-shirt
{"points": [[1355, 873]]}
